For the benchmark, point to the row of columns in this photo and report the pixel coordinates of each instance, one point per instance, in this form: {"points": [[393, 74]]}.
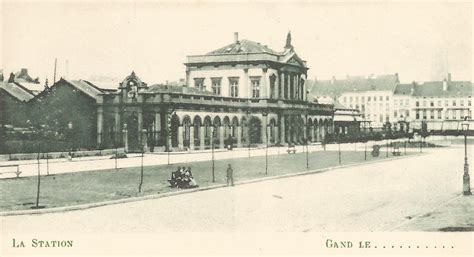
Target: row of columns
{"points": [[289, 86], [317, 133]]}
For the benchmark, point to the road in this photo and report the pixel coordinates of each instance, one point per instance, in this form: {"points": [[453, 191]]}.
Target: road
{"points": [[383, 196]]}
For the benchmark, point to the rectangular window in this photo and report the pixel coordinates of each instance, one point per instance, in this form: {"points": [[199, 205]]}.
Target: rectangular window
{"points": [[432, 114], [255, 81], [424, 114], [216, 85], [368, 99], [381, 98], [462, 114], [432, 104], [234, 86], [362, 99], [350, 99], [387, 98], [454, 102], [446, 103], [381, 118], [439, 114], [461, 102], [417, 103], [417, 115], [424, 103], [395, 102], [439, 103], [468, 102], [199, 84], [446, 115], [395, 114], [375, 98]]}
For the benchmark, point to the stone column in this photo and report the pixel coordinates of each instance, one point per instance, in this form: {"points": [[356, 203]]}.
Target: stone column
{"points": [[100, 121], [246, 84], [191, 137], [202, 138], [276, 134], [305, 132], [265, 84], [140, 125], [144, 143], [311, 132], [317, 134], [125, 140], [221, 137], [117, 124], [276, 93], [239, 136], [282, 129], [263, 130], [157, 126], [180, 137]]}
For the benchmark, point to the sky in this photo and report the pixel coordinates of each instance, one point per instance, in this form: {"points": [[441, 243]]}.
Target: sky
{"points": [[419, 41]]}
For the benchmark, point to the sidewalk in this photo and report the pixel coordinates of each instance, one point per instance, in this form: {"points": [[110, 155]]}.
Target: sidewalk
{"points": [[456, 215]]}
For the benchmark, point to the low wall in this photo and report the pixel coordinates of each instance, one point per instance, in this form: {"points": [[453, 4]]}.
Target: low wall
{"points": [[56, 155]]}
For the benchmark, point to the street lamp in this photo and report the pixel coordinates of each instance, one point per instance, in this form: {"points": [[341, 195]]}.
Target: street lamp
{"points": [[248, 129], [466, 179], [339, 148], [212, 152], [265, 113]]}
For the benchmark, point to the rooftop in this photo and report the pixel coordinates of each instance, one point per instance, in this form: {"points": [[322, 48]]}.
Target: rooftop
{"points": [[17, 91]]}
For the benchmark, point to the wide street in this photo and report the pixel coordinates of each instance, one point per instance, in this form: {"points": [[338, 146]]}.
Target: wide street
{"points": [[383, 196]]}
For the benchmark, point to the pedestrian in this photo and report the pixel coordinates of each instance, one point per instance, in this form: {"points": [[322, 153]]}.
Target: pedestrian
{"points": [[230, 175]]}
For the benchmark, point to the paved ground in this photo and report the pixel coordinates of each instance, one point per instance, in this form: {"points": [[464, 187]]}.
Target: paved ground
{"points": [[383, 196], [55, 166]]}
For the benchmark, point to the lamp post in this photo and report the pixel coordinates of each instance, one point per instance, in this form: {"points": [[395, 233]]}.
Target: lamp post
{"points": [[212, 153], [466, 178], [248, 130], [141, 171], [266, 139], [339, 148]]}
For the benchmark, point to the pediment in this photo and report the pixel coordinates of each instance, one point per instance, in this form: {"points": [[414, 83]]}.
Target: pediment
{"points": [[296, 60]]}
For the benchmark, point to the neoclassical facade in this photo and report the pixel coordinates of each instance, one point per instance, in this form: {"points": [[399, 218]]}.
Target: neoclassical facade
{"points": [[244, 92]]}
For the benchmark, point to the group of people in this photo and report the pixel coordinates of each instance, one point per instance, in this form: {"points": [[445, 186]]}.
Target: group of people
{"points": [[182, 178]]}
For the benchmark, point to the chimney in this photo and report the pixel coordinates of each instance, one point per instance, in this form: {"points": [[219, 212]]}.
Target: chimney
{"points": [[445, 85], [449, 77], [236, 37]]}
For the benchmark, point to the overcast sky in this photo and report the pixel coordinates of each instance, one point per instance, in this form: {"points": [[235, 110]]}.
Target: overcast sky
{"points": [[420, 41]]}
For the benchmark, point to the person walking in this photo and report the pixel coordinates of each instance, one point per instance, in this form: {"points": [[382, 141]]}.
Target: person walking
{"points": [[230, 175]]}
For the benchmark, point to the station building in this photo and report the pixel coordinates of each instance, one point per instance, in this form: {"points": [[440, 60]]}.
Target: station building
{"points": [[244, 92]]}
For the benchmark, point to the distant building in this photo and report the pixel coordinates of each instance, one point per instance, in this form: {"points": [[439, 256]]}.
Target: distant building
{"points": [[441, 104], [13, 104], [371, 95], [381, 99]]}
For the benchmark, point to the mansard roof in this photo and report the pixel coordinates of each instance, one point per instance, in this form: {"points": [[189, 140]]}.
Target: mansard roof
{"points": [[248, 51], [336, 87], [242, 47], [435, 89]]}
